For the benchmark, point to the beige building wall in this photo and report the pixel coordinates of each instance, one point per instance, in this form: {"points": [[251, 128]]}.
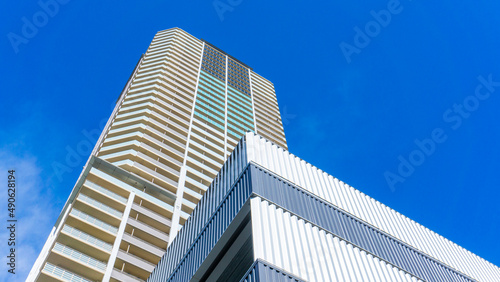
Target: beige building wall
{"points": [[183, 110]]}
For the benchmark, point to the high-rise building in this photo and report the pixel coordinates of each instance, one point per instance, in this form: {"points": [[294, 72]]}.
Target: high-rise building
{"points": [[191, 180], [182, 112], [270, 216]]}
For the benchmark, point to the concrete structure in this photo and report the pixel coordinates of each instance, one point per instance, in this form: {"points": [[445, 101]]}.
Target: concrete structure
{"points": [[183, 110], [270, 216]]}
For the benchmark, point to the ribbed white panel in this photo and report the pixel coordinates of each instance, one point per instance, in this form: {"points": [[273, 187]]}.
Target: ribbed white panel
{"points": [[311, 253], [375, 213]]}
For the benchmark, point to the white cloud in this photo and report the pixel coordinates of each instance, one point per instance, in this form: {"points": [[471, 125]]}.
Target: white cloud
{"points": [[35, 213]]}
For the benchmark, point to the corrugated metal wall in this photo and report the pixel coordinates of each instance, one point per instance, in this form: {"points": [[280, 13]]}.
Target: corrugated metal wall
{"points": [[303, 249], [319, 214], [362, 248], [375, 213], [262, 271], [342, 224]]}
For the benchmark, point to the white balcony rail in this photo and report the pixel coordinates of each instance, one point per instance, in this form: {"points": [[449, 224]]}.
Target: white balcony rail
{"points": [[87, 238], [86, 199], [106, 192], [63, 274], [94, 221], [83, 258]]}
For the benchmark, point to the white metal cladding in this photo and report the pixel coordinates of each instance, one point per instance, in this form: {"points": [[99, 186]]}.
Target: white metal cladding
{"points": [[346, 226], [311, 253], [205, 226], [180, 265], [208, 208], [263, 271], [375, 213]]}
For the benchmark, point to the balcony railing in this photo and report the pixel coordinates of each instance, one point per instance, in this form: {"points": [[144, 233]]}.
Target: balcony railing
{"points": [[87, 238], [147, 246], [83, 258], [106, 192], [120, 275], [63, 274], [92, 202], [92, 220], [148, 229], [135, 260]]}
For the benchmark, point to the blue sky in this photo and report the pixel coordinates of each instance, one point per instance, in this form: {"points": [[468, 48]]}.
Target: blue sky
{"points": [[396, 98]]}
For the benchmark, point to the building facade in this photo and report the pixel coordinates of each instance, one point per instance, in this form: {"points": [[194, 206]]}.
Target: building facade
{"points": [[191, 180], [182, 112], [270, 216]]}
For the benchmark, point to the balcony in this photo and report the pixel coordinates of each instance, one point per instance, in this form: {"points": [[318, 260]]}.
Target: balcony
{"points": [[86, 238], [148, 229], [144, 245], [163, 152], [93, 221], [99, 206], [79, 257], [76, 262], [60, 274], [118, 275], [195, 186], [104, 195], [151, 214], [106, 192], [136, 261]]}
